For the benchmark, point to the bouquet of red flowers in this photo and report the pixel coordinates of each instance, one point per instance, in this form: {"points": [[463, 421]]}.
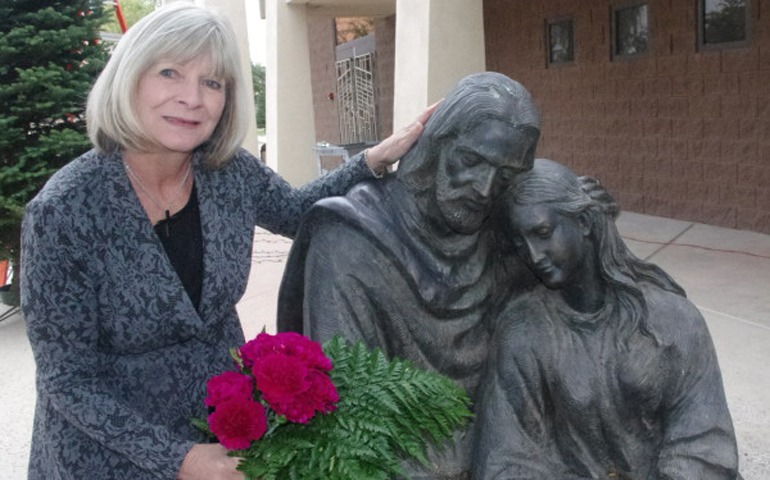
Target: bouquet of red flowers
{"points": [[374, 412]]}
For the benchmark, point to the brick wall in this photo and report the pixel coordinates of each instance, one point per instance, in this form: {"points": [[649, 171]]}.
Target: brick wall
{"points": [[677, 133]]}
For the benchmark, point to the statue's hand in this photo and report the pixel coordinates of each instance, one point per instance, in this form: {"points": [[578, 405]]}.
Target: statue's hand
{"points": [[390, 150]]}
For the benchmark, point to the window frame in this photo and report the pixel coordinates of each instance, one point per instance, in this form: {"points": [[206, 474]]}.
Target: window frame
{"points": [[549, 22], [614, 10], [702, 46]]}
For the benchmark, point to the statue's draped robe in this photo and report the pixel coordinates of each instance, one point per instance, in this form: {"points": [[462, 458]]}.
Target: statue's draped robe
{"points": [[564, 400], [361, 267]]}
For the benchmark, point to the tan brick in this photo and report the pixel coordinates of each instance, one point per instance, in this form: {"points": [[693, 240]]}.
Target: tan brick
{"points": [[739, 106], [658, 86], [756, 219], [703, 150], [719, 83], [687, 128], [643, 68], [672, 65], [722, 171], [691, 211], [740, 60], [753, 176], [646, 107], [672, 188], [763, 197], [657, 206], [705, 107], [720, 215], [628, 88], [721, 128], [707, 62], [763, 107], [738, 196], [681, 169], [674, 107], [752, 83], [658, 167], [631, 201], [682, 45], [656, 127], [764, 57], [737, 151]]}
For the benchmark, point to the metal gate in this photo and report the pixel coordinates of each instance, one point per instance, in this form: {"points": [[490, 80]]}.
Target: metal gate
{"points": [[356, 104]]}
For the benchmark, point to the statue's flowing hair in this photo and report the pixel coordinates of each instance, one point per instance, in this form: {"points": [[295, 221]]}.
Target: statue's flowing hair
{"points": [[584, 197], [475, 98]]}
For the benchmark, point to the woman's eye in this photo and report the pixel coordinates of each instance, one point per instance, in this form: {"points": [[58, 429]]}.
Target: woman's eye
{"points": [[544, 233], [212, 84], [167, 72]]}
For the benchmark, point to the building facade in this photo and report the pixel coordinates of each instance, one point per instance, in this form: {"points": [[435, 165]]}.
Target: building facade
{"points": [[665, 101]]}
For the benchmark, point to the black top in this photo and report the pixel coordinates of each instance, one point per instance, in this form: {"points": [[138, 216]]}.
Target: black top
{"points": [[183, 241]]}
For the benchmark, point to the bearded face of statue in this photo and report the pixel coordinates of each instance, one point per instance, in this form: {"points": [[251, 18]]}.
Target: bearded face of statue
{"points": [[475, 168]]}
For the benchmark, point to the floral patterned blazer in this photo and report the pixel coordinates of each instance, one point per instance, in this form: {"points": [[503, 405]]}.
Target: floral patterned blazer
{"points": [[122, 355]]}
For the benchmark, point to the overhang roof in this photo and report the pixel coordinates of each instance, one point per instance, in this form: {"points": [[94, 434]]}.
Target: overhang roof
{"points": [[364, 8]]}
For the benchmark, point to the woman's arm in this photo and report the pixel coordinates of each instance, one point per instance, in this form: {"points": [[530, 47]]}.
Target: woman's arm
{"points": [[280, 206]]}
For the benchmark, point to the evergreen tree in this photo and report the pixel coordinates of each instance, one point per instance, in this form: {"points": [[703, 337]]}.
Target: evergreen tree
{"points": [[50, 53], [258, 79]]}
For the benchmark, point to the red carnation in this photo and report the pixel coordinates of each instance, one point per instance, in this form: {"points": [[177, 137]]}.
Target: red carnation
{"points": [[289, 343], [237, 423], [280, 377], [320, 396], [228, 386]]}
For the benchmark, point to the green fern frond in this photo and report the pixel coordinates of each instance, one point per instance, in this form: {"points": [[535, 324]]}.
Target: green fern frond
{"points": [[388, 410]]}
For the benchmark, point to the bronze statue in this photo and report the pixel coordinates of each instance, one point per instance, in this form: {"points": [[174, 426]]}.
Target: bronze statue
{"points": [[409, 263], [605, 370]]}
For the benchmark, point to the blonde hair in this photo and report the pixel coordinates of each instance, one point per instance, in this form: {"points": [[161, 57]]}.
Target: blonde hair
{"points": [[179, 32]]}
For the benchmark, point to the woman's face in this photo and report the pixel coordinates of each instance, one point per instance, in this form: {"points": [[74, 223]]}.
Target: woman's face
{"points": [[179, 105], [555, 247]]}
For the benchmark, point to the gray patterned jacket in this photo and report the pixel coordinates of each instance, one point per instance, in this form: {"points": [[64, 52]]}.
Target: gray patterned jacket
{"points": [[122, 355]]}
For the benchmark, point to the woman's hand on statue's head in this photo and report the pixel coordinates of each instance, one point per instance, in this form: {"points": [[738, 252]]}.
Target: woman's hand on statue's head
{"points": [[390, 150]]}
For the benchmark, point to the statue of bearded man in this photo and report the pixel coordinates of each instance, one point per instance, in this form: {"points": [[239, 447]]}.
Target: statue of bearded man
{"points": [[410, 263]]}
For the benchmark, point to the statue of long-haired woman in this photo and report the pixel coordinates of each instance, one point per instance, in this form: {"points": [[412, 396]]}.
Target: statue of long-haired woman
{"points": [[604, 370]]}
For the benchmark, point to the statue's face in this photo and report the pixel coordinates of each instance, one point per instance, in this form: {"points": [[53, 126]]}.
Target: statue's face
{"points": [[554, 246], [475, 168]]}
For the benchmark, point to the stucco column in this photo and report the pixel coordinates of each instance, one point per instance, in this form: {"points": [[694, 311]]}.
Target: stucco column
{"points": [[438, 42], [289, 103], [235, 12]]}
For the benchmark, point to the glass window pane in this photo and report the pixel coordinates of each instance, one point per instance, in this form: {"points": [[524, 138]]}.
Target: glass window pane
{"points": [[560, 43], [724, 21], [631, 30]]}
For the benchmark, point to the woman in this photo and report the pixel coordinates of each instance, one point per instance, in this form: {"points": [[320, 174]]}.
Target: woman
{"points": [[136, 253], [605, 370]]}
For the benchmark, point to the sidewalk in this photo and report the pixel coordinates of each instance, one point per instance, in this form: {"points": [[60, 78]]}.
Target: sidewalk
{"points": [[725, 272]]}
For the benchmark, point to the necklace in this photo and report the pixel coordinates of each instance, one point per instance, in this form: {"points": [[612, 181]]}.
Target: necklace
{"points": [[167, 210]]}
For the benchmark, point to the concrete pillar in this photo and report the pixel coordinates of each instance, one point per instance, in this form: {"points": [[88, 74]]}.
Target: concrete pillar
{"points": [[438, 42], [289, 103]]}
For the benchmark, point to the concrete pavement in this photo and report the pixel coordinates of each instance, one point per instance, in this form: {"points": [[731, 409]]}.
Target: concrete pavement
{"points": [[726, 274]]}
